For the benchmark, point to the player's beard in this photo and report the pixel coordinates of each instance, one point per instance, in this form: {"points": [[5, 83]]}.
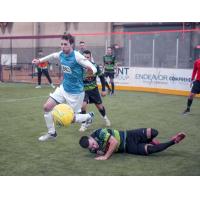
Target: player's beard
{"points": [[67, 51]]}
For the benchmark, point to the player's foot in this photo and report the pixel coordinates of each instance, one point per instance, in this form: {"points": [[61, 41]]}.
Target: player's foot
{"points": [[109, 91], [186, 111], [155, 141], [38, 86], [48, 136], [89, 121], [52, 85], [83, 127], [107, 121], [178, 137]]}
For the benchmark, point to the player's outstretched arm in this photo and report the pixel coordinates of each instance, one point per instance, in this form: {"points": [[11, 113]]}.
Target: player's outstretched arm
{"points": [[50, 57], [46, 58], [111, 149]]}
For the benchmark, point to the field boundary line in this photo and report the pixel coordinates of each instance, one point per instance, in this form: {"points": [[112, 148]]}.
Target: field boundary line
{"points": [[22, 99]]}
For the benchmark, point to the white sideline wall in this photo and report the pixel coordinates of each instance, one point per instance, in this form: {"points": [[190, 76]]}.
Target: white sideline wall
{"points": [[161, 80]]}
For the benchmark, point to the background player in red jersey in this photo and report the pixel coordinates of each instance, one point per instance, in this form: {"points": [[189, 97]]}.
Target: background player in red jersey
{"points": [[195, 84]]}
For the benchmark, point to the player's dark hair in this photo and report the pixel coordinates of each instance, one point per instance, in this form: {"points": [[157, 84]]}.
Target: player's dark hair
{"points": [[154, 133], [84, 141], [81, 42], [68, 37], [87, 52]]}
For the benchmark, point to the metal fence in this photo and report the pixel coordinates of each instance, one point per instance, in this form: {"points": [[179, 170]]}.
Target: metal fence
{"points": [[159, 49]]}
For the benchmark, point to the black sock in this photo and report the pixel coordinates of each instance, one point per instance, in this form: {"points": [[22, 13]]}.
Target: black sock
{"points": [[83, 111], [102, 111], [159, 147], [113, 87], [189, 103], [107, 85]]}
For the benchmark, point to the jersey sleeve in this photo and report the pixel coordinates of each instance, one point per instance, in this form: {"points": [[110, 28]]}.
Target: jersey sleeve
{"points": [[104, 135], [50, 57], [84, 62], [194, 70], [101, 134]]}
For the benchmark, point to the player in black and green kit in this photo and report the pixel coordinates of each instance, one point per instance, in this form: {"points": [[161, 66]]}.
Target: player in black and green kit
{"points": [[92, 94], [109, 67], [104, 142]]}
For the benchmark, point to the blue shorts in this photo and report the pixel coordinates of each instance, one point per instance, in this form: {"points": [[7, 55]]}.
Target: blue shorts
{"points": [[196, 87]]}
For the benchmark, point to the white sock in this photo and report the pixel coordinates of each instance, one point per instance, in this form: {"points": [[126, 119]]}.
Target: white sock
{"points": [[105, 117], [49, 122], [79, 118]]}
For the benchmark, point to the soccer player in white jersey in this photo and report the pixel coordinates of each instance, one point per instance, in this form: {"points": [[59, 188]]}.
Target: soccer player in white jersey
{"points": [[71, 90]]}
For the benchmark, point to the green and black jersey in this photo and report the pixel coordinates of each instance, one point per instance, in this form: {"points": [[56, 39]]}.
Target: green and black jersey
{"points": [[103, 135], [90, 82], [109, 63]]}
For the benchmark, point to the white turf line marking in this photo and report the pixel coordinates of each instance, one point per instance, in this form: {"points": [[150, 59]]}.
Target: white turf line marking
{"points": [[23, 99]]}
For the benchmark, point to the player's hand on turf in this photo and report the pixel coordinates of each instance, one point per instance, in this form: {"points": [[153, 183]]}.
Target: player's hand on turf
{"points": [[103, 93], [101, 158], [100, 153], [35, 61]]}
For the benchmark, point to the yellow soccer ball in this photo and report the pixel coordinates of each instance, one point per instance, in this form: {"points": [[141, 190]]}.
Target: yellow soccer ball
{"points": [[63, 115]]}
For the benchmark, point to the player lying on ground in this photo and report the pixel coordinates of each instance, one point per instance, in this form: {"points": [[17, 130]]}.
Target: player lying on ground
{"points": [[104, 142]]}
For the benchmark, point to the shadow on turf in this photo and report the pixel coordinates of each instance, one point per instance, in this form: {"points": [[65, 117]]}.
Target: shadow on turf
{"points": [[182, 154]]}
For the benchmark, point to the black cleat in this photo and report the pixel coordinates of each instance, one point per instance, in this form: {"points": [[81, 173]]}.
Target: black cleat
{"points": [[186, 111]]}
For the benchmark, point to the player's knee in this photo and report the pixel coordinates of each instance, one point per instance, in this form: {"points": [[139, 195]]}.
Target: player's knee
{"points": [[146, 147], [83, 111], [99, 106], [149, 148], [191, 96], [154, 133], [47, 107]]}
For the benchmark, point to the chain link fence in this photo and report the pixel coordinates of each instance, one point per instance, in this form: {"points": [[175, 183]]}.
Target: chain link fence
{"points": [[159, 50]]}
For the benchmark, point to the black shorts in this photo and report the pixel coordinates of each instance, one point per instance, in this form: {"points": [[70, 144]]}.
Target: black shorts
{"points": [[136, 140], [196, 87], [93, 96], [109, 74]]}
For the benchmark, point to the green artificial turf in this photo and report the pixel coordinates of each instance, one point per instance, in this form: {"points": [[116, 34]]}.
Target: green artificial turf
{"points": [[22, 122]]}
